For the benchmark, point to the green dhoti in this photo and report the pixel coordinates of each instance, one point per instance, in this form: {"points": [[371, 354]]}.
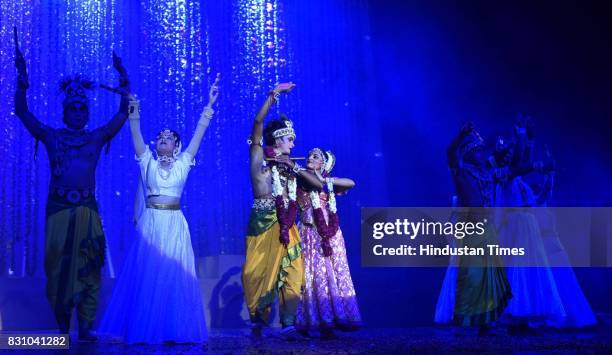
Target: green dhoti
{"points": [[483, 290], [74, 256]]}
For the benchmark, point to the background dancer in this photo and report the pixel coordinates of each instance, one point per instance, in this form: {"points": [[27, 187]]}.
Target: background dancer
{"points": [[74, 239]]}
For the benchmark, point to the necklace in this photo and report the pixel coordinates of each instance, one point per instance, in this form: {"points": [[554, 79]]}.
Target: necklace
{"points": [[163, 172]]}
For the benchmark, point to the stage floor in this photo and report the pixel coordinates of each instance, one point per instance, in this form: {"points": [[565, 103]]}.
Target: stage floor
{"points": [[419, 340]]}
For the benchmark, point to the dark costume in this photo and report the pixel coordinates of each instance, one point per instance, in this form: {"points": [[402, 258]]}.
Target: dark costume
{"points": [[74, 239], [482, 289]]}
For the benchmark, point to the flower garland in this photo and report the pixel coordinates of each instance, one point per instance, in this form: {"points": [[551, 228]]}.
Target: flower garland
{"points": [[286, 209], [332, 195], [325, 229]]}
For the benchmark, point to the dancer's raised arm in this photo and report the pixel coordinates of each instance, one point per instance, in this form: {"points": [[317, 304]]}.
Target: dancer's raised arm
{"points": [[342, 184], [204, 121], [112, 127], [256, 154], [134, 116], [36, 128]]}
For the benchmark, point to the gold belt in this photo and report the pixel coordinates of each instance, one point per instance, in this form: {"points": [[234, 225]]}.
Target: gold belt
{"points": [[164, 206]]}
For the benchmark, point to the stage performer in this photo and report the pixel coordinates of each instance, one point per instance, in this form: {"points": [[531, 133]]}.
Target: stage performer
{"points": [[74, 239], [274, 265], [482, 291], [157, 295], [535, 294], [328, 301], [578, 312]]}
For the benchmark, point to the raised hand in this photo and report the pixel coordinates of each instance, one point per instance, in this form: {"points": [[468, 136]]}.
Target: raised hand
{"points": [[284, 87], [467, 128], [133, 107], [213, 93], [205, 118], [20, 63], [118, 65]]}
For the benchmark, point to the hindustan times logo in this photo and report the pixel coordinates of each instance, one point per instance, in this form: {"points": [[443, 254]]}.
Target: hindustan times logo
{"points": [[404, 227]]}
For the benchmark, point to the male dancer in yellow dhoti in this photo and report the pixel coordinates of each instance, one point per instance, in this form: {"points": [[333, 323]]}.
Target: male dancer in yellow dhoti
{"points": [[274, 265]]}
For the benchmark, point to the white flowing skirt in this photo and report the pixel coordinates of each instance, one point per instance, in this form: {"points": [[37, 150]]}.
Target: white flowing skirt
{"points": [[157, 295], [534, 290], [445, 307], [577, 308]]}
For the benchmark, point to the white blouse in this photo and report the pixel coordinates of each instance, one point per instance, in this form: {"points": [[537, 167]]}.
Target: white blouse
{"points": [[163, 182]]}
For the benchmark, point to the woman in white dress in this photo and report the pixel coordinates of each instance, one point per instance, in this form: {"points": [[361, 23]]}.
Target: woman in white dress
{"points": [[157, 295]]}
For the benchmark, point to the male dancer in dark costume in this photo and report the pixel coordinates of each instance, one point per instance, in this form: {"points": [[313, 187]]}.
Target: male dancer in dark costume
{"points": [[74, 240]]}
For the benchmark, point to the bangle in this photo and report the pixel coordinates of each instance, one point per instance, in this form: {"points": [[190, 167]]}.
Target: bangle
{"points": [[297, 168], [329, 184], [250, 142], [275, 94], [207, 113]]}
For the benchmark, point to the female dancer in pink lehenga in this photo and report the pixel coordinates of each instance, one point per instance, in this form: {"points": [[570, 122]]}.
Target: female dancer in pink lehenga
{"points": [[329, 300]]}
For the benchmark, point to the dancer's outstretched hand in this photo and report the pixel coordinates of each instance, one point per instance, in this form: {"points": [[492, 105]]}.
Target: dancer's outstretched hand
{"points": [[213, 93], [20, 62], [118, 65], [467, 128], [133, 107], [284, 87]]}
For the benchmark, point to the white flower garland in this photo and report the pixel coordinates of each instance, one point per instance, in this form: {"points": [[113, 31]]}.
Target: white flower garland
{"points": [[292, 189], [316, 201], [277, 187], [314, 198], [332, 195]]}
